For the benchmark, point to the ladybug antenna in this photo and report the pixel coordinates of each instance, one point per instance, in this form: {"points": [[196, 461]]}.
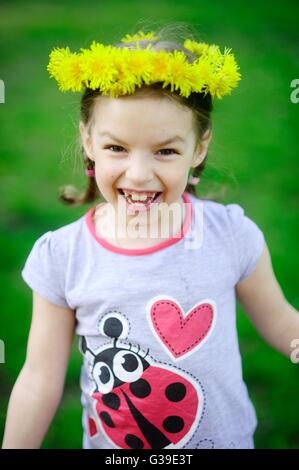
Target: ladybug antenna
{"points": [[94, 355], [146, 353], [114, 342], [84, 347]]}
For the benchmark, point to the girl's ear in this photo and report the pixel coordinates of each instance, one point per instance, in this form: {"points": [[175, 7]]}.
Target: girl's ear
{"points": [[202, 148], [86, 140]]}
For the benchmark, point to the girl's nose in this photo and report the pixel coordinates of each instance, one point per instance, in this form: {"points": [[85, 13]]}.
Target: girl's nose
{"points": [[139, 169]]}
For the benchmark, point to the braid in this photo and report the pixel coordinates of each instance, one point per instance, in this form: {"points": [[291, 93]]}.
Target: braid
{"points": [[70, 195]]}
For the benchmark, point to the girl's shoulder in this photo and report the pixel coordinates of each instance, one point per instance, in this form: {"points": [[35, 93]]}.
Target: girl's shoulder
{"points": [[49, 259], [228, 226], [70, 231], [215, 212], [61, 239]]}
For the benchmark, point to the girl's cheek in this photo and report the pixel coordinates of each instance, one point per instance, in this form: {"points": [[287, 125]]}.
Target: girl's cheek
{"points": [[112, 178], [175, 177]]}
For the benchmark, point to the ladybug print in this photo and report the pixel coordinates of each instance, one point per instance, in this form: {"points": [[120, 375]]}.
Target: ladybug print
{"points": [[140, 404]]}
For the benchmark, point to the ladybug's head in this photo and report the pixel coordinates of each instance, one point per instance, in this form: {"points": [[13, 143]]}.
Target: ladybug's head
{"points": [[116, 365]]}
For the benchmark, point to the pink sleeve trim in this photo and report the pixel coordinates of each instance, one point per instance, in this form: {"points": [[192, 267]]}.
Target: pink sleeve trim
{"points": [[142, 251]]}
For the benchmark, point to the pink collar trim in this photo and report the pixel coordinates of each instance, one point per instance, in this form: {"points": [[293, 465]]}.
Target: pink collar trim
{"points": [[142, 251]]}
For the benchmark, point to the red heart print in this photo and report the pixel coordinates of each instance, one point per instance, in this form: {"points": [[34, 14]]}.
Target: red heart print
{"points": [[180, 333]]}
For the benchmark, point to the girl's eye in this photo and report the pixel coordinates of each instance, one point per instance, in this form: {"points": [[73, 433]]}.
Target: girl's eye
{"points": [[119, 149], [114, 146], [168, 150]]}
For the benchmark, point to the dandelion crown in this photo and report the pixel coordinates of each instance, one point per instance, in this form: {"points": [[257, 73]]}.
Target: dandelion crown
{"points": [[118, 71]]}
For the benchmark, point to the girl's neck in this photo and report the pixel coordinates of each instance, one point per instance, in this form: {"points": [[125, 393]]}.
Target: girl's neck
{"points": [[137, 233]]}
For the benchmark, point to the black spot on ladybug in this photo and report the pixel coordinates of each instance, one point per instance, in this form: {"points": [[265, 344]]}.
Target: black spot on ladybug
{"points": [[175, 391], [113, 327], [107, 419], [111, 400], [155, 438], [141, 388], [133, 441], [173, 424]]}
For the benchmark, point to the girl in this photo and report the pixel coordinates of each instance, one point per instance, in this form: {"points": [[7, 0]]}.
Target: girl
{"points": [[148, 279]]}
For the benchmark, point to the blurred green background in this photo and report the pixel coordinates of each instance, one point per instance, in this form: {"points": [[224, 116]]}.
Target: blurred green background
{"points": [[254, 156]]}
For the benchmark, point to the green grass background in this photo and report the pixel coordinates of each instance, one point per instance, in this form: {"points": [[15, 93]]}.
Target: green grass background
{"points": [[254, 154]]}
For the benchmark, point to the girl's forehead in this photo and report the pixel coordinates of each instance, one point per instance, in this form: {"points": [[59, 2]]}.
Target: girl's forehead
{"points": [[156, 112]]}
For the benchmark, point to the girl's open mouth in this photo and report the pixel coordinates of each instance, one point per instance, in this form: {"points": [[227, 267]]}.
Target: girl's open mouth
{"points": [[140, 202]]}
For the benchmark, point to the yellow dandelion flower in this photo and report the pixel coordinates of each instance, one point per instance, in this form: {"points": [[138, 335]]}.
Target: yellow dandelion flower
{"points": [[214, 53], [160, 66], [202, 70], [198, 48], [119, 60], [177, 72], [97, 66], [140, 36], [57, 57], [120, 88], [66, 68], [229, 75], [206, 69], [225, 79], [218, 85], [117, 71], [124, 81], [138, 64]]}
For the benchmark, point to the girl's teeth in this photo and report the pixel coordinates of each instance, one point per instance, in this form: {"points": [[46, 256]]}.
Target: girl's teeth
{"points": [[135, 197], [139, 196]]}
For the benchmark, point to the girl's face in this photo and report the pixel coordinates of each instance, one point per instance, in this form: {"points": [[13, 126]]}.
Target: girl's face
{"points": [[143, 144]]}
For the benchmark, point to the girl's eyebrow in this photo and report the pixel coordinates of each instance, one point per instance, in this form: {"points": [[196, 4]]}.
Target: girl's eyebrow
{"points": [[175, 138]]}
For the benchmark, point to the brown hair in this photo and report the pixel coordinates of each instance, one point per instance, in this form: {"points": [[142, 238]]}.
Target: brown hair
{"points": [[199, 103]]}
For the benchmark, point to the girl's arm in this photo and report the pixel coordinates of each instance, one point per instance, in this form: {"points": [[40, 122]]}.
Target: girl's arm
{"points": [[263, 300], [39, 386]]}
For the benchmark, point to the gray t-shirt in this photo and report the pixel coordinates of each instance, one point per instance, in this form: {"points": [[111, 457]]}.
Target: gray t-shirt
{"points": [[157, 328]]}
